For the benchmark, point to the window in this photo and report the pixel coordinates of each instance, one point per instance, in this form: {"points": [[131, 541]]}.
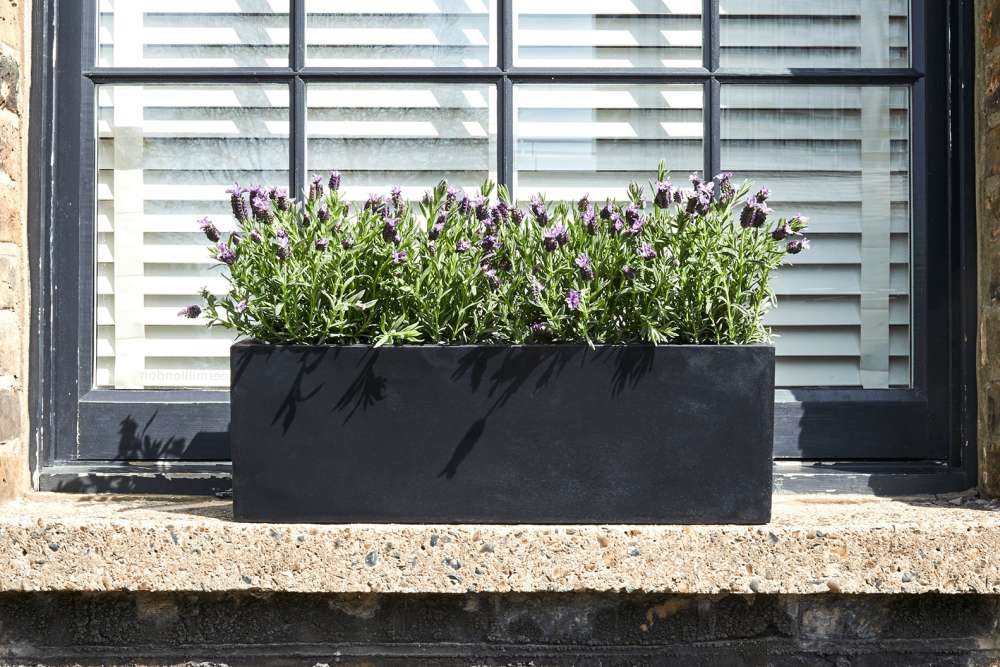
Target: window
{"points": [[844, 108]]}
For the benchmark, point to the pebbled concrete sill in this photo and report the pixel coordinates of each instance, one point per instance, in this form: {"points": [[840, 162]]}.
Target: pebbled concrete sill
{"points": [[815, 544]]}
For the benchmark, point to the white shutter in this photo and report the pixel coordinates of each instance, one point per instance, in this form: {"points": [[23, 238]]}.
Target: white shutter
{"points": [[192, 33], [400, 33], [413, 135], [166, 154], [839, 155], [768, 34], [607, 33], [576, 139]]}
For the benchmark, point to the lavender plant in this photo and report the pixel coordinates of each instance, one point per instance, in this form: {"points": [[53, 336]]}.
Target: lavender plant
{"points": [[687, 265]]}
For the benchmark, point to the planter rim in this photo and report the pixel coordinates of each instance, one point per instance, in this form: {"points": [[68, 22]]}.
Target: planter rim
{"points": [[499, 346]]}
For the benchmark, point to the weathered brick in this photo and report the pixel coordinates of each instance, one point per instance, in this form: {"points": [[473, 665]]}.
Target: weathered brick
{"points": [[12, 23], [9, 283], [10, 80], [10, 344], [10, 414]]}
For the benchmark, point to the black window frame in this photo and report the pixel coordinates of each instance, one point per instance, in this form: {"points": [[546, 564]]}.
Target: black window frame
{"points": [[885, 441]]}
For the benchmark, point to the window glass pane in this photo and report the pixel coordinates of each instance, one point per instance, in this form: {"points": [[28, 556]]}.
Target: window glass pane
{"points": [[412, 135], [839, 155], [192, 33], [607, 33], [576, 139], [814, 33], [400, 33], [165, 156]]}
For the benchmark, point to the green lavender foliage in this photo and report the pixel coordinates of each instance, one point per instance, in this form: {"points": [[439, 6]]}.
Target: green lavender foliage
{"points": [[351, 275]]}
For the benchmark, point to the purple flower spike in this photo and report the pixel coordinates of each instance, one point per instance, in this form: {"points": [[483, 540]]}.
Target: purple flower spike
{"points": [[281, 240], [782, 231], [390, 231], [664, 194], [795, 246], [607, 211], [517, 216], [554, 237], [635, 219], [538, 329], [238, 203], [322, 244], [190, 312], [491, 277], [629, 272], [398, 257], [210, 230], [762, 195], [316, 188], [726, 189], [589, 219], [573, 299], [450, 197], [617, 224], [397, 197], [226, 254], [584, 203], [323, 214], [489, 243], [482, 208], [586, 270], [438, 227], [462, 246], [334, 182], [538, 210], [647, 251], [255, 236], [754, 213], [240, 306], [347, 244], [465, 205]]}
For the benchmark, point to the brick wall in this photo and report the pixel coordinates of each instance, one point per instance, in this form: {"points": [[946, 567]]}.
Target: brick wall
{"points": [[14, 68]]}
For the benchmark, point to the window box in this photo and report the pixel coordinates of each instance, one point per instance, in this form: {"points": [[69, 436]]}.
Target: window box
{"points": [[488, 434]]}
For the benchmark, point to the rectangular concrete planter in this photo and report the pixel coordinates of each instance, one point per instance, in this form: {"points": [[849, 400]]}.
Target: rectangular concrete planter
{"points": [[482, 434]]}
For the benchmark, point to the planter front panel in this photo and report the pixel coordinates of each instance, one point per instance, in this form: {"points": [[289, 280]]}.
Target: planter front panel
{"points": [[535, 434]]}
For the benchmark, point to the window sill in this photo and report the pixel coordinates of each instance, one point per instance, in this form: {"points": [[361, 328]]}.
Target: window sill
{"points": [[814, 544]]}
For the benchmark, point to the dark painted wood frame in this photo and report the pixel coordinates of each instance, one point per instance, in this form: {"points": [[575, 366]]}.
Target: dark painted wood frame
{"points": [[895, 440]]}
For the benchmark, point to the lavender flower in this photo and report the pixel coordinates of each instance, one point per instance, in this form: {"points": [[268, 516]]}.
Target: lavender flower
{"points": [[347, 244], [584, 203], [629, 272], [438, 227], [210, 230], [538, 329], [450, 197], [482, 208], [635, 219], [316, 188], [499, 213], [375, 205], [726, 189], [323, 214], [261, 207], [431, 248], [489, 243], [586, 270], [255, 236], [238, 203], [554, 237], [465, 205], [190, 312], [280, 198], [240, 306], [647, 251], [782, 231], [491, 277], [396, 193], [762, 195], [462, 246], [664, 194], [607, 210], [517, 216], [322, 244], [226, 254], [398, 256], [536, 290], [795, 246], [281, 240], [334, 182], [538, 210], [589, 219], [617, 224], [573, 299], [754, 213], [390, 231]]}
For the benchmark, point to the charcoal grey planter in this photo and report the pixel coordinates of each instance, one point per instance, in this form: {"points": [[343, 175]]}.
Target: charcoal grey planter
{"points": [[483, 434]]}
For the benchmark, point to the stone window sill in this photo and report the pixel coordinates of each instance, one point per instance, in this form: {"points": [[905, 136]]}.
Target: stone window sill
{"points": [[814, 544]]}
